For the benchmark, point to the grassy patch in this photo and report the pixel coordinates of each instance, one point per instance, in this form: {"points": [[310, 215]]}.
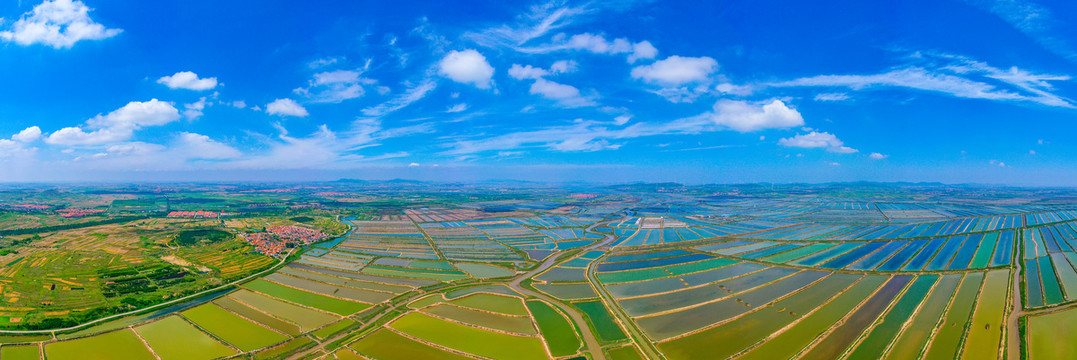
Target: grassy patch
{"points": [[330, 304], [174, 338], [119, 345], [559, 333], [201, 236], [601, 321], [235, 330], [469, 339]]}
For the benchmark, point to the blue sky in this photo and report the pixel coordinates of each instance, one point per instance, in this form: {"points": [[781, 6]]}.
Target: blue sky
{"points": [[689, 91]]}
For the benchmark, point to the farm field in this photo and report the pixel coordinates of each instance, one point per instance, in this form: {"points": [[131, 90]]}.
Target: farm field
{"points": [[632, 276]]}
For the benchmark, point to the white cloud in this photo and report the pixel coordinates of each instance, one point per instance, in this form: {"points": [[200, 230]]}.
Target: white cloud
{"points": [[335, 86], [621, 120], [684, 94], [239, 104], [467, 67], [563, 66], [1032, 19], [597, 44], [29, 134], [732, 89], [131, 149], [521, 72], [537, 22], [1032, 152], [743, 116], [954, 79], [994, 162], [526, 72], [584, 135], [877, 156], [76, 136], [413, 165], [138, 114], [411, 95], [187, 80], [584, 145], [57, 23], [565, 94], [323, 62], [457, 108], [676, 70], [642, 50], [322, 149], [336, 77], [194, 110], [198, 146], [14, 148], [286, 107], [831, 97], [817, 140], [117, 125]]}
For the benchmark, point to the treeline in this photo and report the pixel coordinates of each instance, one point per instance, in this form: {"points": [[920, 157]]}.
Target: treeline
{"points": [[114, 220]]}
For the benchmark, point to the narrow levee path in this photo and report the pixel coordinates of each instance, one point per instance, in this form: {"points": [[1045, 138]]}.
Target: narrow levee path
{"points": [[645, 345], [1013, 323], [593, 346]]}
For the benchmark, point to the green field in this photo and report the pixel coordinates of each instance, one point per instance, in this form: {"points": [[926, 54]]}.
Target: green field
{"points": [[387, 345], [739, 334], [484, 271], [713, 272], [560, 336], [235, 330], [332, 329], [625, 353], [317, 301], [20, 352], [174, 338], [284, 349], [307, 319], [601, 321], [985, 333], [257, 316], [118, 345], [790, 342], [919, 330], [1048, 336], [514, 324], [495, 303], [469, 339]]}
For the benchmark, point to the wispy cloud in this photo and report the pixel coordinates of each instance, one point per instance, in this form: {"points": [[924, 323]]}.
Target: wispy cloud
{"points": [[586, 135], [409, 96], [950, 75], [1033, 20], [538, 21]]}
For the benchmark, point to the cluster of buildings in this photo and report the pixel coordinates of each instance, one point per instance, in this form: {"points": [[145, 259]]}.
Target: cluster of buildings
{"points": [[330, 193], [265, 243], [77, 213], [27, 207], [193, 214], [275, 240], [297, 234]]}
